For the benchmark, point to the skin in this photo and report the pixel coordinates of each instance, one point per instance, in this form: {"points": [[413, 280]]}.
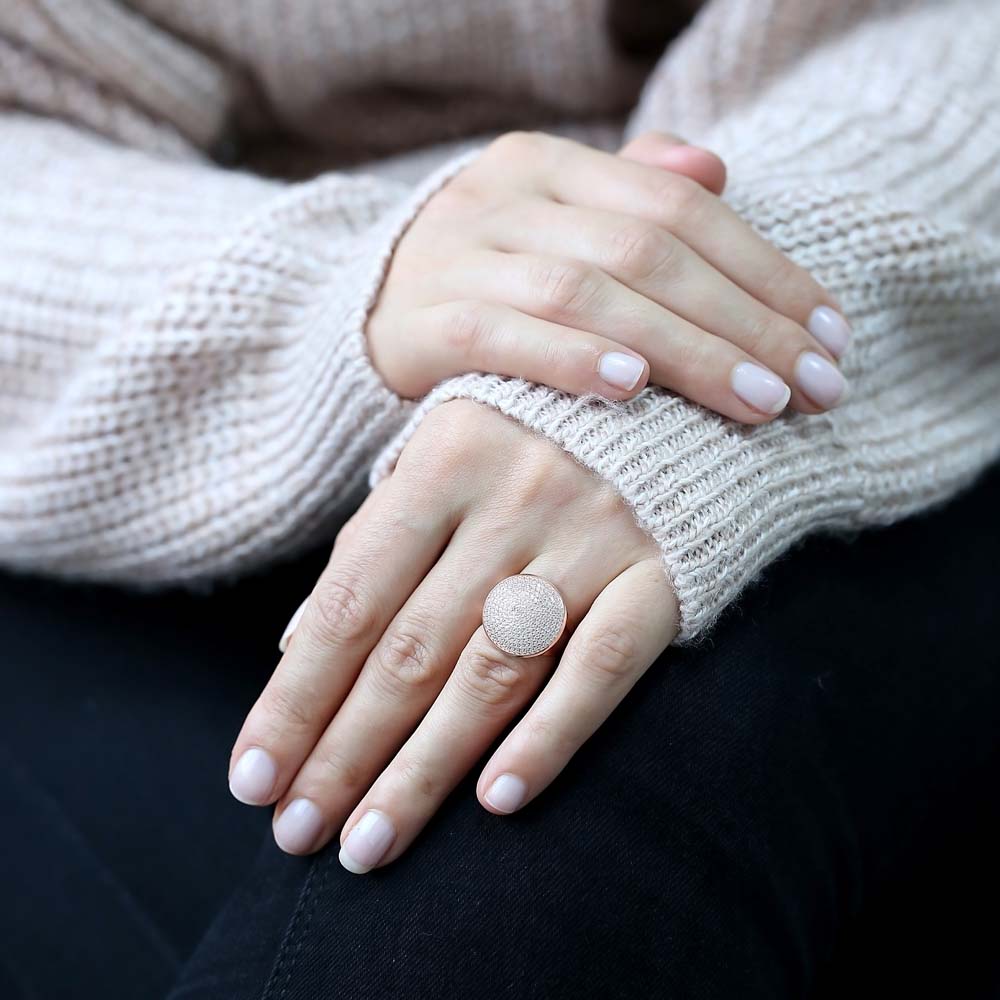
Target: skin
{"points": [[389, 691], [544, 254]]}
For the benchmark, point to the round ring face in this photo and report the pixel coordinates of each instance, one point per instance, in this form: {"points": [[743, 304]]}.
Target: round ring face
{"points": [[524, 615]]}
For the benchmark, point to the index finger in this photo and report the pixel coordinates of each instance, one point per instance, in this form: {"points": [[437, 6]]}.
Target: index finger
{"points": [[367, 580]]}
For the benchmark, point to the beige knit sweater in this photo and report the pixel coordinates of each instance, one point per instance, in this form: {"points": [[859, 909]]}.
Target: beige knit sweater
{"points": [[184, 387]]}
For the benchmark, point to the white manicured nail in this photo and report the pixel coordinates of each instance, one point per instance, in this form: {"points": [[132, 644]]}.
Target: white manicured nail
{"points": [[298, 827], [819, 380], [623, 371], [253, 778], [830, 329], [367, 843], [758, 388], [291, 626], [507, 793]]}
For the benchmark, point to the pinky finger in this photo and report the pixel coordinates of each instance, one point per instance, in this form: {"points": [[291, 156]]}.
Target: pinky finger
{"points": [[632, 621], [669, 152]]}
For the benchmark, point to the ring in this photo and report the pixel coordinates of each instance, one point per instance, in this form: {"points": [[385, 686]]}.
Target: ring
{"points": [[524, 615]]}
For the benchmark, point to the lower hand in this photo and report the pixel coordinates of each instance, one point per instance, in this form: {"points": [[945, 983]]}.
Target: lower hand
{"points": [[389, 690]]}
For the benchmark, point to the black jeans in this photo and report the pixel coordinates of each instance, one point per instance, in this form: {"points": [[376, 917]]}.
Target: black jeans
{"points": [[804, 805]]}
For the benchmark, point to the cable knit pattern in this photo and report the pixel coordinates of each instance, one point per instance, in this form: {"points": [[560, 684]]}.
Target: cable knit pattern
{"points": [[184, 387]]}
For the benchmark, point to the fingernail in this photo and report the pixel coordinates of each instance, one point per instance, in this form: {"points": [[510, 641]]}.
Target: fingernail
{"points": [[367, 843], [298, 827], [830, 329], [507, 793], [253, 778], [759, 388], [623, 371], [819, 380], [291, 626]]}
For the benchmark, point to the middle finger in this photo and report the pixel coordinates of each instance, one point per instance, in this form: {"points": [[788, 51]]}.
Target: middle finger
{"points": [[481, 696], [400, 679]]}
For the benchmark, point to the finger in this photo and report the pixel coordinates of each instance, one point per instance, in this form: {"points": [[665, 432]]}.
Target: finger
{"points": [[589, 178], [669, 152], [551, 332], [484, 692], [402, 676], [348, 530], [630, 623], [655, 263], [365, 583], [470, 335]]}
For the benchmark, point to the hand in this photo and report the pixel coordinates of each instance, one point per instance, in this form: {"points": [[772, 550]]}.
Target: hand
{"points": [[389, 691], [597, 273]]}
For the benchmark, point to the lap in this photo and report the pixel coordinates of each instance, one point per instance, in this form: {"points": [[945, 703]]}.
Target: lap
{"points": [[744, 809], [752, 801]]}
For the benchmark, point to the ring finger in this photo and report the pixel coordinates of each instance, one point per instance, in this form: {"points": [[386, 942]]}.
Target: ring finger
{"points": [[612, 648], [483, 693]]}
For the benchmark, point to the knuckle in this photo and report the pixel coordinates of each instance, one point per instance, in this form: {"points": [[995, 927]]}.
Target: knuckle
{"points": [[608, 506], [688, 355], [562, 287], [519, 146], [557, 738], [340, 611], [639, 251], [287, 709], [491, 679], [771, 333], [459, 197], [430, 471], [760, 332], [415, 777], [610, 655], [443, 443], [680, 198], [404, 660], [348, 533], [336, 763], [541, 477], [783, 277], [467, 329]]}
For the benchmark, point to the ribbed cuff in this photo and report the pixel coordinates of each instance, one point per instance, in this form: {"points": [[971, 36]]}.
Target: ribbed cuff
{"points": [[720, 499]]}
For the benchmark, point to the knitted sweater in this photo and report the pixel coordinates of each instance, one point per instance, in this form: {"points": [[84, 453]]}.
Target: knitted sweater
{"points": [[184, 386]]}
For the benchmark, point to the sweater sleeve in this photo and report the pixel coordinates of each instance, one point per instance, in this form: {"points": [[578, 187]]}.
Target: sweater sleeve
{"points": [[863, 143], [184, 385]]}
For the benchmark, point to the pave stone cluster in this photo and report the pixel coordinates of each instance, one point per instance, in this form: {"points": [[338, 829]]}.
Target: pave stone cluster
{"points": [[524, 615]]}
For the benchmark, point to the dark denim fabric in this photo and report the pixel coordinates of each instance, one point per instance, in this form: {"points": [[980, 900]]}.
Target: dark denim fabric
{"points": [[804, 805]]}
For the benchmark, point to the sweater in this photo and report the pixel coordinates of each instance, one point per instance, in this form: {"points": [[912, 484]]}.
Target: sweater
{"points": [[198, 208]]}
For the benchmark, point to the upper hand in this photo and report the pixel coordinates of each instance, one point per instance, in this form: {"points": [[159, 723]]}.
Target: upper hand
{"points": [[389, 690], [590, 272]]}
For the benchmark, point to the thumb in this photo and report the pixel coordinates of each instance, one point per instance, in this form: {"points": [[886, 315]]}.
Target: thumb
{"points": [[661, 149]]}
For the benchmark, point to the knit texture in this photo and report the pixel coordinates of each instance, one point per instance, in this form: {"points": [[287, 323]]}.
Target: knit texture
{"points": [[184, 386], [864, 141]]}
